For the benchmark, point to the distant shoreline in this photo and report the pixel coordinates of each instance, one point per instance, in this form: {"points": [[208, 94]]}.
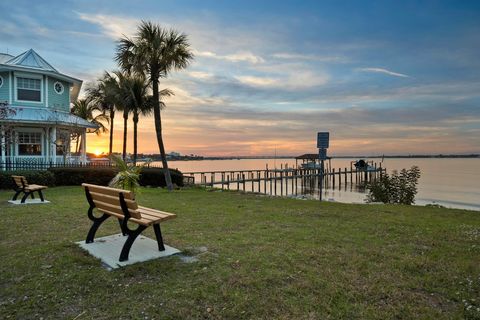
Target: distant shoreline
{"points": [[438, 156]]}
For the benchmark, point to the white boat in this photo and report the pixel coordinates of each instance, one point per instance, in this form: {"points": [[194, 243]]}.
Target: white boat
{"points": [[310, 165]]}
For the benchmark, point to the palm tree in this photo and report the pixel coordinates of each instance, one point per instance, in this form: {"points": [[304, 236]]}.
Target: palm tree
{"points": [[134, 90], [85, 109], [155, 51], [103, 94], [121, 89]]}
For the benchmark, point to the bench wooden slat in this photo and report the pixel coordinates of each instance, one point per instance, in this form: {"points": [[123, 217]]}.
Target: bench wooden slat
{"points": [[18, 181], [121, 216], [131, 204], [114, 208], [109, 191], [156, 217], [35, 187], [155, 213]]}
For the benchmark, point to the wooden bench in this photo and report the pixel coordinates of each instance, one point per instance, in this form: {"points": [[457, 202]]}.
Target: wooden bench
{"points": [[121, 204], [21, 186]]}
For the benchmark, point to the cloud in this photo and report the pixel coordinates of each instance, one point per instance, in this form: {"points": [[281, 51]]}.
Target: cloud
{"points": [[258, 81], [244, 56], [308, 57], [114, 27], [290, 81], [200, 75], [384, 71]]}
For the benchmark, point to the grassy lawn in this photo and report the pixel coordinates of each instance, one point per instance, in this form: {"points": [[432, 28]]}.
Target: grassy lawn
{"points": [[266, 258]]}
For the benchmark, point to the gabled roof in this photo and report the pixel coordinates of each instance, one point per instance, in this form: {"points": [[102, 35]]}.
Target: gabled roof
{"points": [[31, 59], [32, 62], [4, 57]]}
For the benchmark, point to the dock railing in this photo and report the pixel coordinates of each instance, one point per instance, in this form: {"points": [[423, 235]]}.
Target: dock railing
{"points": [[284, 181]]}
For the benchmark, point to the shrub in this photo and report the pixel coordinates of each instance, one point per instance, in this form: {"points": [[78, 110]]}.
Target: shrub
{"points": [[45, 178], [399, 188], [127, 177], [66, 176], [76, 176], [154, 177]]}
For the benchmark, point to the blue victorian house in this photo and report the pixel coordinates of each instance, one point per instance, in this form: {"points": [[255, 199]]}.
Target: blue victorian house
{"points": [[39, 127]]}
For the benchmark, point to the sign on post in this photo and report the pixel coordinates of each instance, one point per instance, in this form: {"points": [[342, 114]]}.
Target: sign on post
{"points": [[323, 140], [322, 154]]}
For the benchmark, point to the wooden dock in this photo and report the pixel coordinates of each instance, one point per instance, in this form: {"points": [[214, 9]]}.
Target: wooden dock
{"points": [[284, 181]]}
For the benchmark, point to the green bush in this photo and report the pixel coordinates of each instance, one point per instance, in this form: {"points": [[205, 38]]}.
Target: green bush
{"points": [[154, 177], [65, 176], [44, 178], [76, 176], [399, 188]]}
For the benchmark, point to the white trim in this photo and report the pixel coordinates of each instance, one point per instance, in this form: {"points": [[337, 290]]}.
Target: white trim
{"points": [[3, 81], [27, 129], [28, 75], [10, 89], [46, 91]]}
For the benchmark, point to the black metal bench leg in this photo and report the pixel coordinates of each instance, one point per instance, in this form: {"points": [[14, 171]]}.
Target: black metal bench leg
{"points": [[32, 195], [96, 223], [25, 197], [17, 193], [133, 234], [41, 195], [158, 235], [124, 232]]}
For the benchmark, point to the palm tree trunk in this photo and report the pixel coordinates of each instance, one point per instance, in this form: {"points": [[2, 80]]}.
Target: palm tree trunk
{"points": [[158, 129], [125, 120], [135, 123], [112, 116]]}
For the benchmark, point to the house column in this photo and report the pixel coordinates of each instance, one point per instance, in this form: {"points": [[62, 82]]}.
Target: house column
{"points": [[47, 144], [83, 145], [3, 146], [53, 151]]}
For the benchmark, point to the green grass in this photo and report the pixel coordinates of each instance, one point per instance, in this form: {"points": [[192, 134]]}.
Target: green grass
{"points": [[267, 258]]}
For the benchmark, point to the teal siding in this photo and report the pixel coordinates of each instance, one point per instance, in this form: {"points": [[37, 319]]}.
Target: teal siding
{"points": [[58, 101], [4, 90]]}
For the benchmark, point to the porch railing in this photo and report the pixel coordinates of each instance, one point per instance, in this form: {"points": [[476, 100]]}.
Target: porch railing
{"points": [[40, 163]]}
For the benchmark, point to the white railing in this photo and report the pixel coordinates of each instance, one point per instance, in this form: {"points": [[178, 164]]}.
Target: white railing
{"points": [[42, 159], [39, 162]]}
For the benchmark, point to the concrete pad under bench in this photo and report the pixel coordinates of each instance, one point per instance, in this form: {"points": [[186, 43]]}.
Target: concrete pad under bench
{"points": [[108, 249], [28, 201]]}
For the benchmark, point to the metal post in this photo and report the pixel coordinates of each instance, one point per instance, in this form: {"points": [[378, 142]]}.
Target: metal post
{"points": [[321, 179]]}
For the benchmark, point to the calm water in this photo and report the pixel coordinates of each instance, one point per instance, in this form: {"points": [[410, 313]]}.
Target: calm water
{"points": [[453, 183]]}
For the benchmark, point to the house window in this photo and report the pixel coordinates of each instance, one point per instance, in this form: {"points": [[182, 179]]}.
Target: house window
{"points": [[29, 89], [29, 143], [58, 87]]}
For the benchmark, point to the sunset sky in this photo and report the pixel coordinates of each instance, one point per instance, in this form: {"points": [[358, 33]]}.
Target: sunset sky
{"points": [[384, 77]]}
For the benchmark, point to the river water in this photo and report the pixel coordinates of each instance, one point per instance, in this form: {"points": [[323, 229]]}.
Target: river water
{"points": [[453, 183]]}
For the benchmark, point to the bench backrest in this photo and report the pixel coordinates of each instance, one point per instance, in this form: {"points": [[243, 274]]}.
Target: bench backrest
{"points": [[108, 199], [20, 181]]}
